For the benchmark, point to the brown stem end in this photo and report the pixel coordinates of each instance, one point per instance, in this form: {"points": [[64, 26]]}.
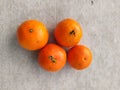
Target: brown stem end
{"points": [[72, 32], [31, 30], [52, 59]]}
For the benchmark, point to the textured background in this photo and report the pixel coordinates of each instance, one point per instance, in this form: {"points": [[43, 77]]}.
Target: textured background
{"points": [[100, 20]]}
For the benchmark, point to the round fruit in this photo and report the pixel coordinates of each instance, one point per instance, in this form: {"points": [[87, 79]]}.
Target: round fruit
{"points": [[52, 57], [32, 35], [68, 33], [79, 57]]}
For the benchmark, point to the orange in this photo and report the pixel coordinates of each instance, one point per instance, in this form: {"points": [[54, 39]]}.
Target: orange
{"points": [[52, 57], [68, 32], [79, 57], [32, 35]]}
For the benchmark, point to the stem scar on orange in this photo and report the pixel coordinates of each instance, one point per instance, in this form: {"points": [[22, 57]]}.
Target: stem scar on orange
{"points": [[52, 57], [79, 57], [32, 35], [68, 32]]}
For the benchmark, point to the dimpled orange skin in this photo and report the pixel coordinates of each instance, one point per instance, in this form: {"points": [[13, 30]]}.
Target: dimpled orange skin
{"points": [[32, 35], [52, 58], [68, 32], [79, 57]]}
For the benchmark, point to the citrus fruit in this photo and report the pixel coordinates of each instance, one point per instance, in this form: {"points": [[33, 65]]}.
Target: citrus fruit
{"points": [[52, 57], [68, 32], [79, 57], [32, 35]]}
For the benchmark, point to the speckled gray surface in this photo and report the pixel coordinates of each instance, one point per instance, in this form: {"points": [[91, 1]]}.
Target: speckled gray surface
{"points": [[100, 21]]}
